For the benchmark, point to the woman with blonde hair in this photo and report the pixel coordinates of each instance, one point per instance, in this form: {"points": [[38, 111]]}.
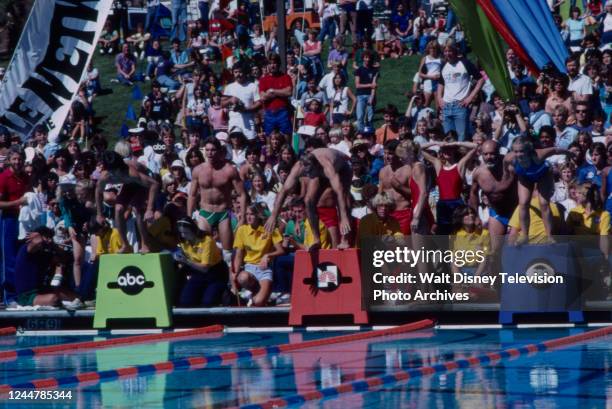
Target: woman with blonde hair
{"points": [[430, 70], [255, 251]]}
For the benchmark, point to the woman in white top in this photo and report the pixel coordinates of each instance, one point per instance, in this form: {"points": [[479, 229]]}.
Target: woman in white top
{"points": [[562, 187], [258, 40], [237, 148], [337, 142], [339, 103], [429, 70], [260, 193], [577, 29]]}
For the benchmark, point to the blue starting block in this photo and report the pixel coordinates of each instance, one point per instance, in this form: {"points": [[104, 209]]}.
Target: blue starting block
{"points": [[559, 259]]}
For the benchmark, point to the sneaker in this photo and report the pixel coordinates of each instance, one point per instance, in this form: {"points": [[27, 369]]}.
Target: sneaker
{"points": [[90, 304], [147, 78], [75, 304], [114, 81], [274, 296], [284, 299]]}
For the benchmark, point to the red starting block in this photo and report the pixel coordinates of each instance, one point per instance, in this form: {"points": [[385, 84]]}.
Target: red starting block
{"points": [[326, 282]]}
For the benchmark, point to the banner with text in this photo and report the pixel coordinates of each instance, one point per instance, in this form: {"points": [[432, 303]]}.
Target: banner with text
{"points": [[49, 62]]}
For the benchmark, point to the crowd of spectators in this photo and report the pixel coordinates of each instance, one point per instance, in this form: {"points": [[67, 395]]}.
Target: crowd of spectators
{"points": [[236, 163]]}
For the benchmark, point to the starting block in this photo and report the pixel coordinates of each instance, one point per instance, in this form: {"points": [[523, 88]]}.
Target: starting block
{"points": [[132, 286], [327, 282], [539, 260]]}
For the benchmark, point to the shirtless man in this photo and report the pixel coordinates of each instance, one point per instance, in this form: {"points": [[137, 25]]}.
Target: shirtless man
{"points": [[325, 168], [213, 182], [402, 212], [498, 183], [135, 189]]}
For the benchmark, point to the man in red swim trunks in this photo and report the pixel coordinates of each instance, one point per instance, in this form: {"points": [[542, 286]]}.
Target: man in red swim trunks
{"points": [[329, 176], [401, 197]]}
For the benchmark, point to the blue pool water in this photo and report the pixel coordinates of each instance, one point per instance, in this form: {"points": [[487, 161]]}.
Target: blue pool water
{"points": [[578, 376]]}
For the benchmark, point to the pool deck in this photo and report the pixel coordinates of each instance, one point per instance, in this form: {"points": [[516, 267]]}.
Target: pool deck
{"points": [[278, 316]]}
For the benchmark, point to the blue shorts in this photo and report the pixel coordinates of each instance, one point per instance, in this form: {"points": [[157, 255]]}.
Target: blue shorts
{"points": [[349, 8], [277, 120], [502, 219], [259, 273]]}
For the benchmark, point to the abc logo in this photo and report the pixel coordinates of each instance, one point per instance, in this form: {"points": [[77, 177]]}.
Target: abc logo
{"points": [[131, 280]]}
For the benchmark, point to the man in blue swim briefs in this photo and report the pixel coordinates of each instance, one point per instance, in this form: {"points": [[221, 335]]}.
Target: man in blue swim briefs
{"points": [[213, 182], [498, 183]]}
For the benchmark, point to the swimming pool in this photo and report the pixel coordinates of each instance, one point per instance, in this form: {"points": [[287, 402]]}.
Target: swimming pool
{"points": [[575, 376]]}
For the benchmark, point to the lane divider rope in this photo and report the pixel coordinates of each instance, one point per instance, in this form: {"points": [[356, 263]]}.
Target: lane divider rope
{"points": [[375, 382], [201, 361], [107, 343], [7, 331]]}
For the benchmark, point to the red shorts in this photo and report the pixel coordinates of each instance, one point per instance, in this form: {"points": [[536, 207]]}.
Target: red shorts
{"points": [[404, 218], [329, 216]]}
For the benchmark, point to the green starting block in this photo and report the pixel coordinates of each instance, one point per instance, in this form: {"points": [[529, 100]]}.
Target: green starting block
{"points": [[132, 286]]}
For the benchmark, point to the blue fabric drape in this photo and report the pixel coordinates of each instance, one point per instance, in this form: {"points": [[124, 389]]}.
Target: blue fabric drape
{"points": [[533, 26]]}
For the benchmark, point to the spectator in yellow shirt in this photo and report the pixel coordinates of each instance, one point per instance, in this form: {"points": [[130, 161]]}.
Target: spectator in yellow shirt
{"points": [[469, 236], [537, 231], [379, 224], [202, 263], [255, 251], [299, 232], [588, 218]]}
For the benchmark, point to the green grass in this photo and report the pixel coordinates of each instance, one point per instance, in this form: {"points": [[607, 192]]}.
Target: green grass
{"points": [[395, 79]]}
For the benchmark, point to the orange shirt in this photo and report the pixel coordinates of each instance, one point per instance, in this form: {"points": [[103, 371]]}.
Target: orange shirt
{"points": [[380, 134]]}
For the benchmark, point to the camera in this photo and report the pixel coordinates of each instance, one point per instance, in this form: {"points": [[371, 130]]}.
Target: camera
{"points": [[238, 106]]}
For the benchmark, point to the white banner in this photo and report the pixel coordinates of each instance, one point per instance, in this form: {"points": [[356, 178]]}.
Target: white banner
{"points": [[51, 57]]}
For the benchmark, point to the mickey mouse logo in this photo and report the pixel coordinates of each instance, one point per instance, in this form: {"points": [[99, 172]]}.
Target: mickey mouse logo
{"points": [[327, 276]]}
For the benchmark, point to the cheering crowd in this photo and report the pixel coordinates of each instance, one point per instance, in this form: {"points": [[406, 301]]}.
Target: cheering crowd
{"points": [[236, 163]]}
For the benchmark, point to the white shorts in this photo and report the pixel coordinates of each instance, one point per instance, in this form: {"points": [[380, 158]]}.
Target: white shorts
{"points": [[259, 273]]}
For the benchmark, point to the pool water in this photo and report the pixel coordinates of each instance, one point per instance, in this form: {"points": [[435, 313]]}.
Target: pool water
{"points": [[576, 376]]}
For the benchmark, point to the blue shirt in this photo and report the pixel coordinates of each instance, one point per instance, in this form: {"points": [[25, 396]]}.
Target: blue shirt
{"points": [[589, 173], [30, 270], [178, 59], [565, 137]]}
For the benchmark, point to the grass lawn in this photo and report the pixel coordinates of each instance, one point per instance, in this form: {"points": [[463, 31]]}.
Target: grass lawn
{"points": [[395, 79]]}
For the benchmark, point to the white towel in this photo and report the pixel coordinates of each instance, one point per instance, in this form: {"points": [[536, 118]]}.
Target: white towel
{"points": [[29, 215]]}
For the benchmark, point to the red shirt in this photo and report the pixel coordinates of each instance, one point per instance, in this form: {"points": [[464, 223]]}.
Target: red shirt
{"points": [[314, 118], [275, 82], [12, 187]]}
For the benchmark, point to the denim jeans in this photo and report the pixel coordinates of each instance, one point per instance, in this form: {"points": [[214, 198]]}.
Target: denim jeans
{"points": [[9, 230], [179, 19], [364, 112], [328, 29], [152, 18], [204, 10], [277, 120], [166, 81], [455, 117]]}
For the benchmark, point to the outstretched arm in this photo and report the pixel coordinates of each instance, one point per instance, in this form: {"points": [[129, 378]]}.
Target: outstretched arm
{"points": [[288, 186]]}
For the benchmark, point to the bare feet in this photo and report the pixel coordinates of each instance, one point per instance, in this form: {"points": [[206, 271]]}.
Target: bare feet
{"points": [[123, 250], [343, 244], [144, 249], [521, 239]]}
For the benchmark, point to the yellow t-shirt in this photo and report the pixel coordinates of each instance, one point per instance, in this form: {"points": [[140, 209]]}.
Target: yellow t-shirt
{"points": [[255, 242], [371, 226], [597, 222], [466, 241], [161, 231], [204, 251], [109, 242], [323, 233], [537, 231]]}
